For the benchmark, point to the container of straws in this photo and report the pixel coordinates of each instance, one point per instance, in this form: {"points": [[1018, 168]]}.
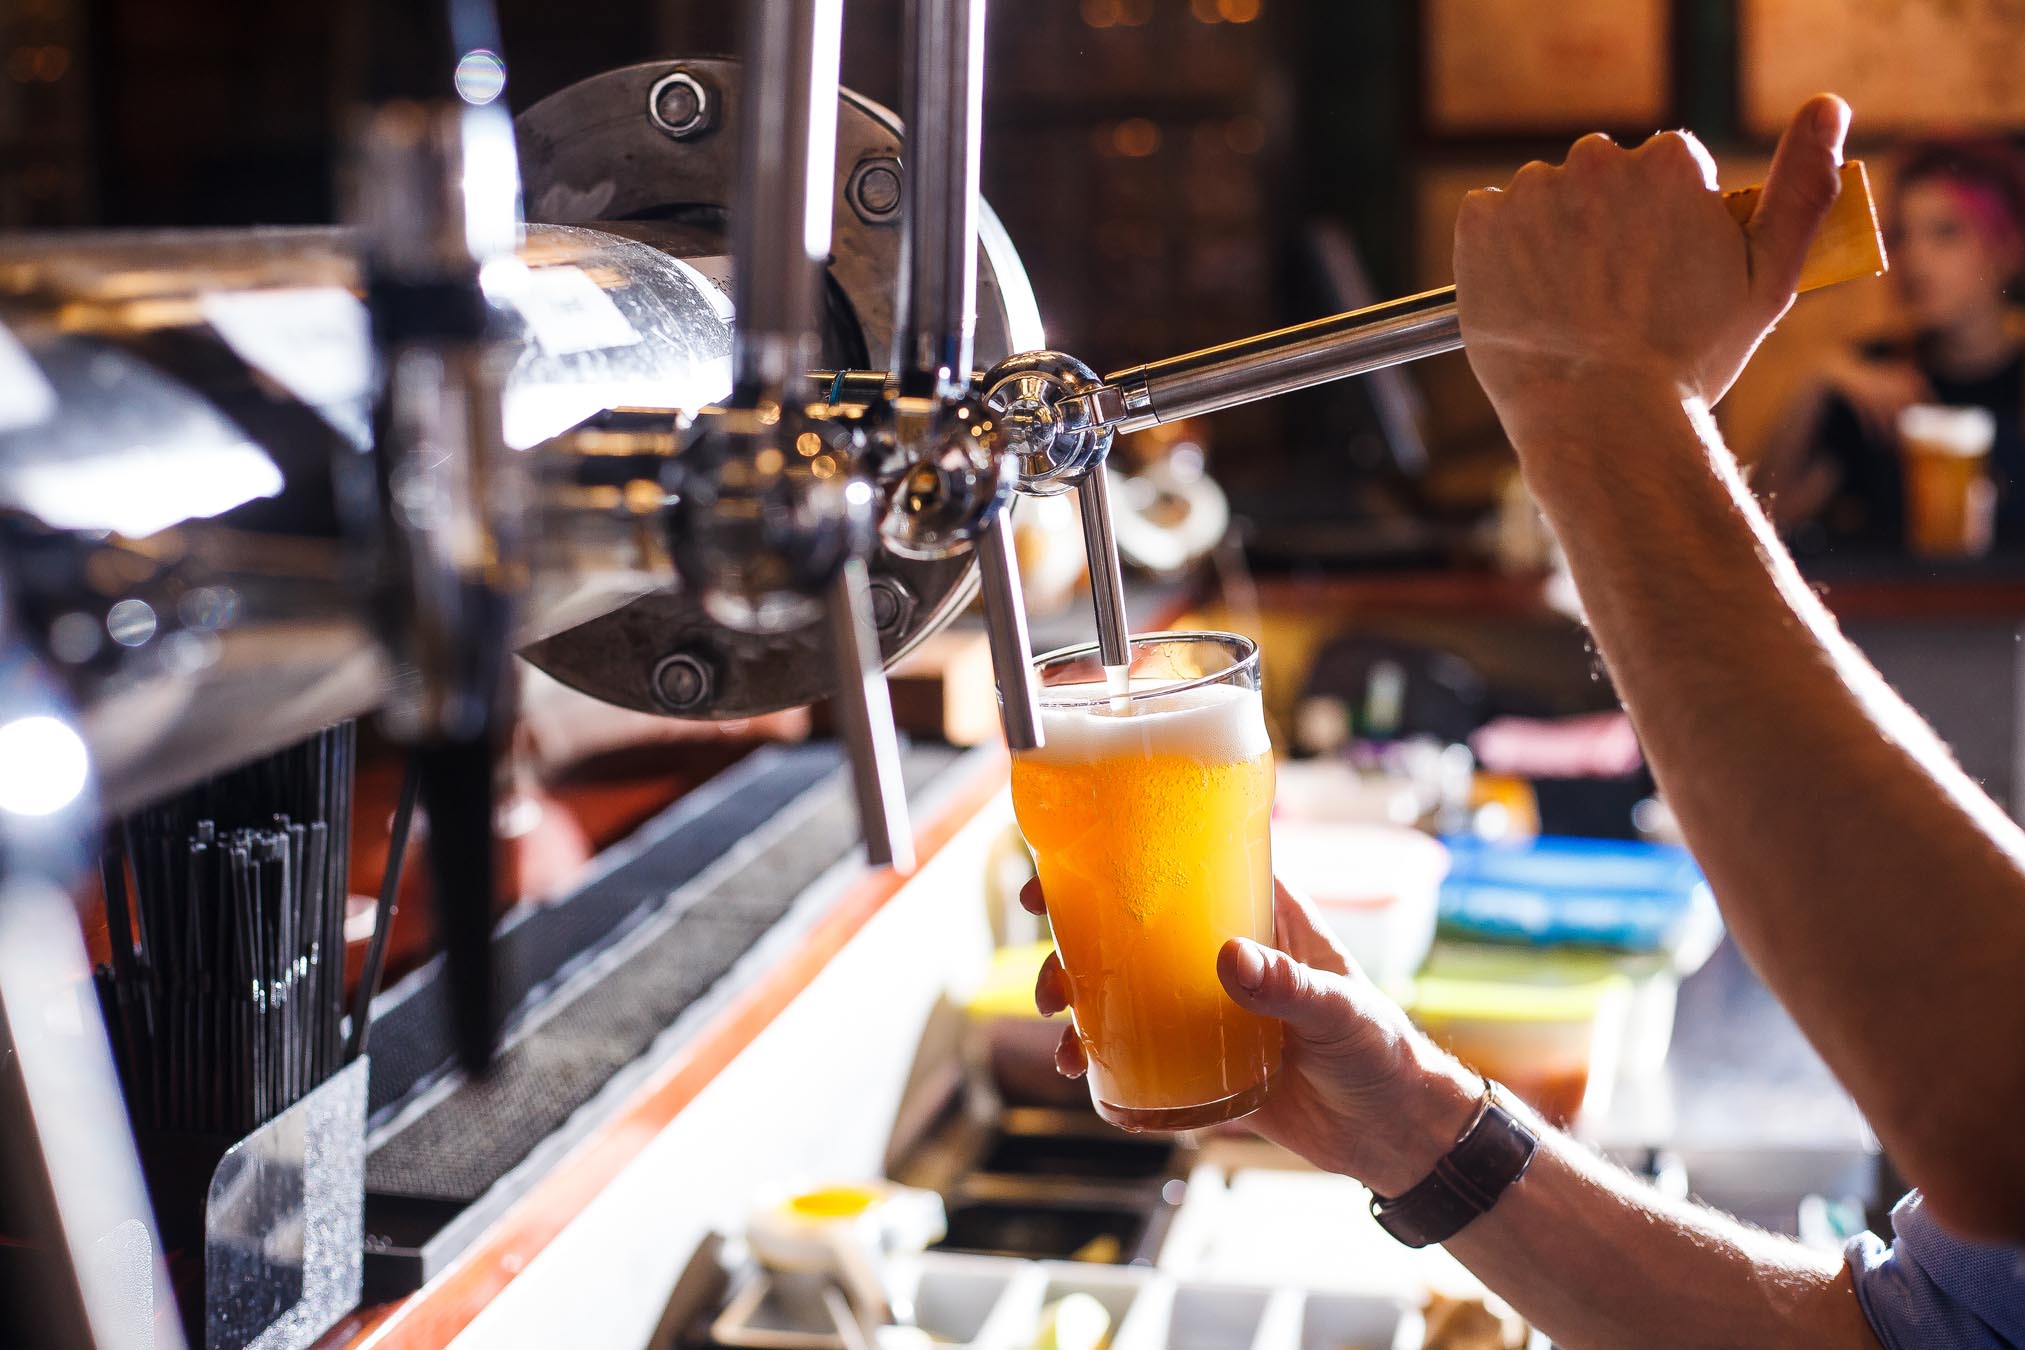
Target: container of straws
{"points": [[224, 998]]}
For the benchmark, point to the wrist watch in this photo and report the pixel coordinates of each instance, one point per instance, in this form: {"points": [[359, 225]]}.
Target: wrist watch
{"points": [[1491, 1153]]}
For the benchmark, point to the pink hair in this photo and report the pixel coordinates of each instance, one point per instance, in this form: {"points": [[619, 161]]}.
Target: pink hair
{"points": [[1988, 208], [1986, 177]]}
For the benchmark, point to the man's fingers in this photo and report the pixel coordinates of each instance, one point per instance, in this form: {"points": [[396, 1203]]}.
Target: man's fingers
{"points": [[1031, 899], [1593, 150], [1051, 989], [1680, 150], [1070, 1062], [1261, 980], [1803, 184]]}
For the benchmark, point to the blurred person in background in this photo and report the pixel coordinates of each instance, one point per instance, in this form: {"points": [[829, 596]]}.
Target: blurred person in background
{"points": [[1955, 232]]}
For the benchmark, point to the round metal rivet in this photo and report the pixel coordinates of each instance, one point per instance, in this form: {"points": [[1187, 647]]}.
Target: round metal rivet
{"points": [[874, 189], [679, 105], [681, 682]]}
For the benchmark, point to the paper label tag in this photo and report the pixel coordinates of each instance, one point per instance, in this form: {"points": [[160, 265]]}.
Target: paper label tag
{"points": [[26, 398], [568, 313], [312, 340]]}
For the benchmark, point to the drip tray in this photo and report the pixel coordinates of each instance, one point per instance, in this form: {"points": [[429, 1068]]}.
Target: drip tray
{"points": [[612, 980]]}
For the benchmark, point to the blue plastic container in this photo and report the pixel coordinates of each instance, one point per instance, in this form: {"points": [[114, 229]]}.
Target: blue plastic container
{"points": [[1554, 891]]}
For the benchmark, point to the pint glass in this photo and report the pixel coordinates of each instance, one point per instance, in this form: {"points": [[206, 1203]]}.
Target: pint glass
{"points": [[1950, 501], [1148, 812]]}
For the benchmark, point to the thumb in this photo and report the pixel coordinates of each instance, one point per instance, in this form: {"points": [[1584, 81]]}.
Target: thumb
{"points": [[1261, 980], [1802, 186]]}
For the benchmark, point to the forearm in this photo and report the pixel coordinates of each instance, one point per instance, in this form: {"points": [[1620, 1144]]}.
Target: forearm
{"points": [[1595, 1258], [1876, 888]]}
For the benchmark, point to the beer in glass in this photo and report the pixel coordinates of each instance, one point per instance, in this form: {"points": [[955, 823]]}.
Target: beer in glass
{"points": [[1950, 501], [1148, 812]]}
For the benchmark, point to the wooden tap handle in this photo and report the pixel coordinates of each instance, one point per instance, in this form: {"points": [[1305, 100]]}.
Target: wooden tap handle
{"points": [[1849, 246]]}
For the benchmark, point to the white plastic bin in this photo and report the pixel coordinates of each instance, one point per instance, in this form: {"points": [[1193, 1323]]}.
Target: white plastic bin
{"points": [[986, 1302], [1116, 1287], [1351, 1322], [1194, 1317]]}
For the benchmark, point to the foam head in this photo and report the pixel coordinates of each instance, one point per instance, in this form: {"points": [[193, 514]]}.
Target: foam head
{"points": [[1210, 724], [1967, 432]]}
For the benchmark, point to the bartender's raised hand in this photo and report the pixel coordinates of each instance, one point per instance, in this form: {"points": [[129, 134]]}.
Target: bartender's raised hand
{"points": [[1623, 267], [1360, 1091]]}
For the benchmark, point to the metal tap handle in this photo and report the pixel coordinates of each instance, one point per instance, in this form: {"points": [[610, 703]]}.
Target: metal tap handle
{"points": [[1847, 246], [1280, 362], [1005, 625], [865, 714]]}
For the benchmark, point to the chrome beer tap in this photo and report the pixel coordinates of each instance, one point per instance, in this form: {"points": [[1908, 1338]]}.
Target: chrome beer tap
{"points": [[437, 502], [774, 513], [948, 474]]}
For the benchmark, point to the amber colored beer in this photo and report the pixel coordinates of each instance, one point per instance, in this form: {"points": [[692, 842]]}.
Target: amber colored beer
{"points": [[1950, 502], [1149, 820]]}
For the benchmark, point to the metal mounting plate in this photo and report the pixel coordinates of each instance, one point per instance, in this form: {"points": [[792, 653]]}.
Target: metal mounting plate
{"points": [[594, 154]]}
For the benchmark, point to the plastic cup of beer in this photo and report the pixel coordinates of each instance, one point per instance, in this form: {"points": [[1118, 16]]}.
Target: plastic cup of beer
{"points": [[1148, 812], [1950, 501]]}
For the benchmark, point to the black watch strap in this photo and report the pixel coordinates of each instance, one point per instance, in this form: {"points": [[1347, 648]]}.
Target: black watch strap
{"points": [[1492, 1152]]}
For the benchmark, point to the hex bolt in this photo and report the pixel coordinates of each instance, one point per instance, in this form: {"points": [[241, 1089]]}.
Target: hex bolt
{"points": [[679, 105], [893, 606], [874, 189], [681, 683]]}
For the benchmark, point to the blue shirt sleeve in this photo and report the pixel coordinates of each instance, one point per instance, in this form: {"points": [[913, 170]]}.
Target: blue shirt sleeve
{"points": [[1930, 1288]]}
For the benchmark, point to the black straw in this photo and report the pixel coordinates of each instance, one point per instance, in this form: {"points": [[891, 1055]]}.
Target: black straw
{"points": [[225, 992], [383, 913]]}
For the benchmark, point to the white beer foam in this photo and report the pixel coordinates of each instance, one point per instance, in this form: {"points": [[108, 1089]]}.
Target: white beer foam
{"points": [[1211, 724], [1941, 430]]}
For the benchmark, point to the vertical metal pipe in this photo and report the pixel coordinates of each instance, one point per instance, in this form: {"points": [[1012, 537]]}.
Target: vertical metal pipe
{"points": [[1005, 625], [436, 194], [942, 105], [1107, 580], [787, 170], [780, 244], [865, 714]]}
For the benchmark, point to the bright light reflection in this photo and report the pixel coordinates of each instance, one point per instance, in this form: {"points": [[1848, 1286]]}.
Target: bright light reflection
{"points": [[822, 81], [491, 184], [131, 622], [42, 766], [480, 77], [147, 490]]}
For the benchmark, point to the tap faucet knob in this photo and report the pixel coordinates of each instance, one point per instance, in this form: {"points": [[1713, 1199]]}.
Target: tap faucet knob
{"points": [[1053, 429], [945, 474], [771, 502], [1047, 426], [949, 479]]}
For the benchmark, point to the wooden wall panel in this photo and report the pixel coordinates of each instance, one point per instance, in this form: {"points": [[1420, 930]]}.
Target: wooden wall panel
{"points": [[1500, 67], [1904, 65]]}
